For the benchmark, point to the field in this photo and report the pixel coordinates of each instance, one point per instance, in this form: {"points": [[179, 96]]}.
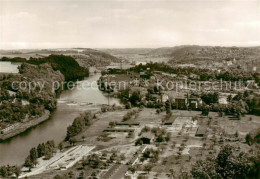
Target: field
{"points": [[179, 153]]}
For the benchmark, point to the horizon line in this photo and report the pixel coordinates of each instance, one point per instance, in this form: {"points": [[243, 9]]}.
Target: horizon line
{"points": [[95, 48]]}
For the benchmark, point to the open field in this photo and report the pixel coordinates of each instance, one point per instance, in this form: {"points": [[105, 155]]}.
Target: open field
{"points": [[179, 153]]}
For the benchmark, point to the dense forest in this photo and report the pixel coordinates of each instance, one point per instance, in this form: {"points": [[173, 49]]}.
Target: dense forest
{"points": [[67, 65]]}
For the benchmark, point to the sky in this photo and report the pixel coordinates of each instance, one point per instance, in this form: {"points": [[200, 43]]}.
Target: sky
{"points": [[26, 24]]}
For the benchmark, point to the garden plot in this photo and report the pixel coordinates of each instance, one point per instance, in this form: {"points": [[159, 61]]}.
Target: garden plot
{"points": [[185, 125]]}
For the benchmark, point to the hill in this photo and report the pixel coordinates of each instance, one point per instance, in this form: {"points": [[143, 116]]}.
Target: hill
{"points": [[135, 54], [84, 56], [67, 65], [193, 54], [91, 57]]}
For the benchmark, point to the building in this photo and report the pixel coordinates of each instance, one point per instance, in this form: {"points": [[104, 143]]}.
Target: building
{"points": [[126, 123], [193, 103], [170, 121], [165, 97], [201, 131], [180, 102], [118, 130]]}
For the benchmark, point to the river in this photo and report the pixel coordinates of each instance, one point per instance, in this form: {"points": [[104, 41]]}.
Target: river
{"points": [[9, 67], [70, 104]]}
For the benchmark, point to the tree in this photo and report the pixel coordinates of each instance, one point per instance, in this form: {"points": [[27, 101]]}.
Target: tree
{"points": [[81, 175], [229, 98], [160, 138], [249, 139], [93, 174], [72, 141], [168, 137], [92, 161], [210, 98], [8, 170], [57, 177], [33, 156], [40, 150], [135, 98], [3, 172], [132, 169], [17, 171], [60, 146], [28, 162], [205, 110], [168, 107], [71, 174], [236, 134], [122, 157], [172, 173], [223, 161], [238, 97], [227, 165], [246, 94], [49, 149], [139, 142], [112, 124], [148, 168]]}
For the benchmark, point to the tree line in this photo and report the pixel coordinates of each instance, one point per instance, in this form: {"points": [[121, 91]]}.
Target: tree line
{"points": [[79, 124], [45, 149]]}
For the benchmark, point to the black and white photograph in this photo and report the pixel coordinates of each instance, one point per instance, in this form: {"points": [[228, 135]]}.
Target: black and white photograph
{"points": [[130, 89]]}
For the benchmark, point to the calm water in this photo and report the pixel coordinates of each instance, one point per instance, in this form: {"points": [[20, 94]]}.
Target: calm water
{"points": [[9, 67], [70, 104]]}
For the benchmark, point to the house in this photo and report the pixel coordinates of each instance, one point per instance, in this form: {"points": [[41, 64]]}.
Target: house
{"points": [[201, 131], [180, 102], [165, 97], [179, 99], [193, 103], [170, 121], [222, 100]]}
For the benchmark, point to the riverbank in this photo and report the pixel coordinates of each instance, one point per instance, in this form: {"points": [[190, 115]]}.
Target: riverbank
{"points": [[22, 127], [56, 128]]}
